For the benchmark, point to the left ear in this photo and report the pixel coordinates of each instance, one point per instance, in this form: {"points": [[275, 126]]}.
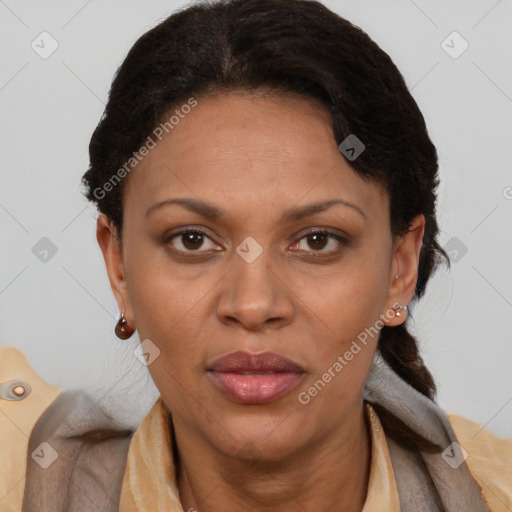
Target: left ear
{"points": [[405, 263]]}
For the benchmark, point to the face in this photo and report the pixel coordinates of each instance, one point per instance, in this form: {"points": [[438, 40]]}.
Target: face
{"points": [[255, 260]]}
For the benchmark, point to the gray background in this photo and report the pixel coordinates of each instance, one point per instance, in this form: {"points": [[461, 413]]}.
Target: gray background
{"points": [[61, 313]]}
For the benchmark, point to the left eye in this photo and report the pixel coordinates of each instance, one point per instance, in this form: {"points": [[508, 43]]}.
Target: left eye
{"points": [[318, 241]]}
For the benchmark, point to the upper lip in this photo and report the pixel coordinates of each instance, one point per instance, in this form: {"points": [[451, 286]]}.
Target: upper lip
{"points": [[238, 362]]}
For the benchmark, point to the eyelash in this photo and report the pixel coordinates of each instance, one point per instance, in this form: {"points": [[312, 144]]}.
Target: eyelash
{"points": [[343, 241]]}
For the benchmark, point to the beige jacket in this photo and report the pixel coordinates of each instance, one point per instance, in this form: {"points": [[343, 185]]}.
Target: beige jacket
{"points": [[149, 478]]}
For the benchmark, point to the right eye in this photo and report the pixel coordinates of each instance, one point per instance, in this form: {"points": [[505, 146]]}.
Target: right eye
{"points": [[191, 240]]}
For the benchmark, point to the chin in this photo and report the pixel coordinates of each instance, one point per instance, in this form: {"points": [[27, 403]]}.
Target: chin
{"points": [[254, 437]]}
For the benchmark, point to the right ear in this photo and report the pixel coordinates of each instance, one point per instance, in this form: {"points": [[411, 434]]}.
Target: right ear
{"points": [[109, 241]]}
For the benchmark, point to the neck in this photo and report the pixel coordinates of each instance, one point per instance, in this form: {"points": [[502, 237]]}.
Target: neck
{"points": [[329, 474]]}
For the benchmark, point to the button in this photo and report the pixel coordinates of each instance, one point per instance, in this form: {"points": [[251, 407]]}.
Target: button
{"points": [[14, 390], [19, 390]]}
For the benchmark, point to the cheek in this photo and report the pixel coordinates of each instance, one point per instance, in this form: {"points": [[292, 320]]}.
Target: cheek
{"points": [[354, 306], [342, 355], [344, 301], [344, 329], [163, 293], [168, 304]]}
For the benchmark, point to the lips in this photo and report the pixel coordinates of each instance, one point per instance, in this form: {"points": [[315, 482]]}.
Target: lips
{"points": [[255, 378]]}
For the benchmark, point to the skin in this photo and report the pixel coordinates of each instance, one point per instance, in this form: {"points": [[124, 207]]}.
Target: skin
{"points": [[255, 157]]}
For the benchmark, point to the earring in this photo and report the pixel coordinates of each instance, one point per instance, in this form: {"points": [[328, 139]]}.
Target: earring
{"points": [[398, 308], [122, 330]]}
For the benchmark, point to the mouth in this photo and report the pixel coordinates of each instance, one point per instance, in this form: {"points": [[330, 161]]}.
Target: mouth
{"points": [[255, 378]]}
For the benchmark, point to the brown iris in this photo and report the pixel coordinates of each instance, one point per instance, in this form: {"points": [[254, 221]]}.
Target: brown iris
{"points": [[192, 240], [319, 241]]}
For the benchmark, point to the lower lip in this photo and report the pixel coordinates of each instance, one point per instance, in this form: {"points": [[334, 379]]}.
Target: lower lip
{"points": [[255, 388]]}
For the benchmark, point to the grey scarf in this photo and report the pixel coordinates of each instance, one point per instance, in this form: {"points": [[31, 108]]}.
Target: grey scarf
{"points": [[427, 482], [87, 477]]}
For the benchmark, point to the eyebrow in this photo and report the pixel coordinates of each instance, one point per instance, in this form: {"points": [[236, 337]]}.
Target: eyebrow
{"points": [[211, 212]]}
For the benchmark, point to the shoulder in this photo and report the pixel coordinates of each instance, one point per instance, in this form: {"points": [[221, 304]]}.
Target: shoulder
{"points": [[24, 396], [489, 459]]}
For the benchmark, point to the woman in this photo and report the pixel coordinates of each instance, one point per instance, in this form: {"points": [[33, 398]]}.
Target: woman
{"points": [[266, 188]]}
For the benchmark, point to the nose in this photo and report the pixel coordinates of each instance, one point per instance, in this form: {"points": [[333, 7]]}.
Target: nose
{"points": [[254, 296]]}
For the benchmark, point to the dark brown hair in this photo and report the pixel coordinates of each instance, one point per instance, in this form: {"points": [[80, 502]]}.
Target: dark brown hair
{"points": [[286, 47]]}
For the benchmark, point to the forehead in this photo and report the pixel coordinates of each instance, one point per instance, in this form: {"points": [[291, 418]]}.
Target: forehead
{"points": [[247, 149]]}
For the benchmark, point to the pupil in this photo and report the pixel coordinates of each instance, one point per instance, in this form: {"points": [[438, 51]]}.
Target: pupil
{"points": [[319, 241], [193, 240]]}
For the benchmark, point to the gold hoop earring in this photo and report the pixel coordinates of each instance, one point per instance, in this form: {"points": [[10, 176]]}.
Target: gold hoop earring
{"points": [[123, 330]]}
